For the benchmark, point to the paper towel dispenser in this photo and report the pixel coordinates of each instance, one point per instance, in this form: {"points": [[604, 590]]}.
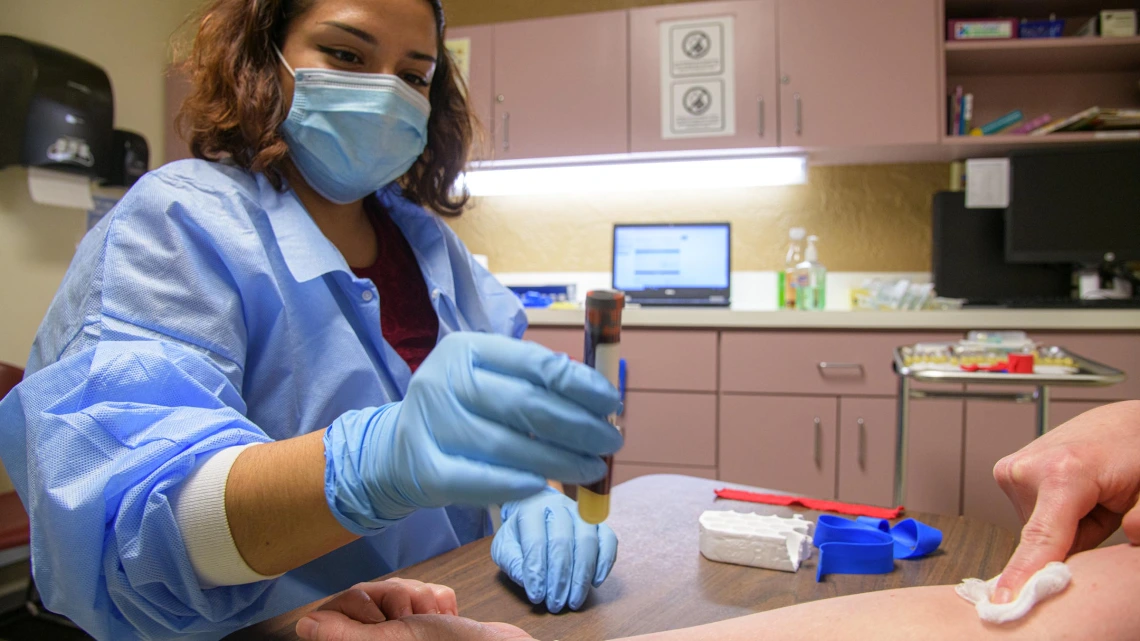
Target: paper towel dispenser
{"points": [[130, 159], [56, 110]]}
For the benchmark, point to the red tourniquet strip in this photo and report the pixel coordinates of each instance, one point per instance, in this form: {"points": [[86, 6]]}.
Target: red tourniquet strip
{"points": [[853, 509]]}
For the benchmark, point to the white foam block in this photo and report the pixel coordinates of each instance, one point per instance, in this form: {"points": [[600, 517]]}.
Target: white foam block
{"points": [[759, 541]]}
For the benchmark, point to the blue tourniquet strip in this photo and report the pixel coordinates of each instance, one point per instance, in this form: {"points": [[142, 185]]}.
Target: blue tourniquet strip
{"points": [[868, 545]]}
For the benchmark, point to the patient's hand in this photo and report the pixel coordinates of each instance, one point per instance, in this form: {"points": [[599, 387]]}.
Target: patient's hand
{"points": [[398, 610], [334, 626], [1073, 488]]}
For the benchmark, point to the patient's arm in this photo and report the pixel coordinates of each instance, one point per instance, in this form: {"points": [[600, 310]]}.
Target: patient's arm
{"points": [[1100, 603]]}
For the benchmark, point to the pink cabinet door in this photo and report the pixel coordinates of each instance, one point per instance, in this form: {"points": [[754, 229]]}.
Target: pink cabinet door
{"points": [[480, 82], [859, 72], [1120, 350], [669, 428], [934, 456], [562, 86], [867, 450], [993, 430], [779, 443], [867, 445], [754, 53]]}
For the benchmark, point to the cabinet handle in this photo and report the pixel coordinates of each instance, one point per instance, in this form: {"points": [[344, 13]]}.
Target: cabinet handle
{"points": [[818, 451], [799, 115], [862, 445], [507, 131], [824, 366], [761, 127]]}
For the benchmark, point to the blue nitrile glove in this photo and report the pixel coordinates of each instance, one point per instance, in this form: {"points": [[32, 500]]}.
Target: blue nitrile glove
{"points": [[486, 420], [547, 548]]}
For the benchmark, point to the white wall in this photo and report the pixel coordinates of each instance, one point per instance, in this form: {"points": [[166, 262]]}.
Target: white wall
{"points": [[130, 40]]}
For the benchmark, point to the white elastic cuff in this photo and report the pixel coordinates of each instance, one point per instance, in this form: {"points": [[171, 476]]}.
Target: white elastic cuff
{"points": [[199, 504]]}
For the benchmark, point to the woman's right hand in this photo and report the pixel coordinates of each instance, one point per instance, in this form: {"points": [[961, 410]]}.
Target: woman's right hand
{"points": [[486, 420]]}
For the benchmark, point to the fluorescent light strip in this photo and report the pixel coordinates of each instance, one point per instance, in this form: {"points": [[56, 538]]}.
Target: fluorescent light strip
{"points": [[726, 173]]}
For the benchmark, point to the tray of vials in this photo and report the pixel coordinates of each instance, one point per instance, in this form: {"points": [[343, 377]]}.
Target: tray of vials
{"points": [[1021, 364]]}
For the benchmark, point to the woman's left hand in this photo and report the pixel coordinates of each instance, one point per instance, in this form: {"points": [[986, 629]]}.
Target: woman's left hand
{"points": [[379, 601], [547, 548]]}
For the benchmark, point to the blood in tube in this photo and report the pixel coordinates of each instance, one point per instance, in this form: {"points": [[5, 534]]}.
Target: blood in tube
{"points": [[603, 353]]}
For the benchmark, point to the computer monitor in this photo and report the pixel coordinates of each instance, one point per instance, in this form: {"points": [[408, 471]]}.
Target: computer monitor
{"points": [[673, 264], [968, 258], [1074, 206]]}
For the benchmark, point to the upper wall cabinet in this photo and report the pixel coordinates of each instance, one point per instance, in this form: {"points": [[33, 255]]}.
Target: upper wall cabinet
{"points": [[859, 72], [561, 86], [473, 49], [703, 76]]}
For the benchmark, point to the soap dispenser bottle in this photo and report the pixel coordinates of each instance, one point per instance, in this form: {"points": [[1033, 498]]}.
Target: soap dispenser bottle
{"points": [[786, 279], [811, 280]]}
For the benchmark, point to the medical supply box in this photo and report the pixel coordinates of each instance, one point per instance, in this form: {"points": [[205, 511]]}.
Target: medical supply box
{"points": [[987, 29], [1118, 23]]}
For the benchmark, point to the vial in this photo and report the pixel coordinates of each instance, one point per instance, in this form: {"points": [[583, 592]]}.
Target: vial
{"points": [[603, 353]]}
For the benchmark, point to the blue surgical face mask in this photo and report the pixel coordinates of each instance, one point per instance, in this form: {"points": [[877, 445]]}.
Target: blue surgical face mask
{"points": [[351, 134]]}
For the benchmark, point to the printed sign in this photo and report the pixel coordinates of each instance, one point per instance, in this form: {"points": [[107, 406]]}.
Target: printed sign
{"points": [[698, 78], [460, 49]]}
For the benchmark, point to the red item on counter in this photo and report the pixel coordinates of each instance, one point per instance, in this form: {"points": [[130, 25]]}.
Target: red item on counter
{"points": [[854, 509], [1021, 363]]}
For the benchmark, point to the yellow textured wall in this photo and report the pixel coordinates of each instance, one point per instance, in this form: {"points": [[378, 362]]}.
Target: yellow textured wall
{"points": [[869, 218]]}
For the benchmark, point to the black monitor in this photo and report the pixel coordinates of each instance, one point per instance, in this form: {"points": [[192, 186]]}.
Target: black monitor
{"points": [[1074, 205], [969, 258]]}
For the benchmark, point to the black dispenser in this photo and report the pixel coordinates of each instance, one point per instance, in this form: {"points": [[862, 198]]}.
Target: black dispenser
{"points": [[56, 110]]}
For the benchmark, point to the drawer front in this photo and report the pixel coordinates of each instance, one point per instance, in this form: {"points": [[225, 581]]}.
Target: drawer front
{"points": [[1119, 350], [669, 428], [785, 444], [626, 471], [670, 361], [814, 362], [564, 341]]}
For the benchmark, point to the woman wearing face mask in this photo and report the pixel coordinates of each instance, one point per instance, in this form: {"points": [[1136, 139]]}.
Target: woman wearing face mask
{"points": [[271, 373]]}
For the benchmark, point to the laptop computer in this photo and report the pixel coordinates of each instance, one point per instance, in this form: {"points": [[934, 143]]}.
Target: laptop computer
{"points": [[673, 264]]}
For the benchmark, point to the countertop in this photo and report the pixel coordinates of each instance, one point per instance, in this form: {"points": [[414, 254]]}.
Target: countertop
{"points": [[662, 582], [1023, 319]]}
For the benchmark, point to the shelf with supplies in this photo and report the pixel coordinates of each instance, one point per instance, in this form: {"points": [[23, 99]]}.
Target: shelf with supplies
{"points": [[1000, 145], [1043, 55]]}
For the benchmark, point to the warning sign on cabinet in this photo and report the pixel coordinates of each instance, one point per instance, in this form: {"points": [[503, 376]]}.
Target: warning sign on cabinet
{"points": [[698, 88], [460, 49]]}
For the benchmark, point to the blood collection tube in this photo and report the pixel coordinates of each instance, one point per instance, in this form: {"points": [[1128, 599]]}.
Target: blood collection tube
{"points": [[603, 353]]}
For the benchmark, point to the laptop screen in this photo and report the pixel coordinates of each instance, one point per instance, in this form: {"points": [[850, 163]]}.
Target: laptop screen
{"points": [[653, 257]]}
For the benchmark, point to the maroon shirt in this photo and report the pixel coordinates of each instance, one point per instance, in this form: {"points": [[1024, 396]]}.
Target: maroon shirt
{"points": [[407, 318]]}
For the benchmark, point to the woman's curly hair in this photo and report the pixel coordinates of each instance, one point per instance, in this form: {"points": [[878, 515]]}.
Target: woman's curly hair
{"points": [[235, 108]]}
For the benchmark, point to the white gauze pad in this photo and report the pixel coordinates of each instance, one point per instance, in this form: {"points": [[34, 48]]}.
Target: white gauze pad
{"points": [[1049, 580], [771, 542]]}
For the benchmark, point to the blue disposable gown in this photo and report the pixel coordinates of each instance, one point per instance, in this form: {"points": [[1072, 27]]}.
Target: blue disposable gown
{"points": [[208, 311]]}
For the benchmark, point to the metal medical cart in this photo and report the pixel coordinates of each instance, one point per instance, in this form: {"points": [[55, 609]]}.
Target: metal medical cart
{"points": [[1088, 373]]}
